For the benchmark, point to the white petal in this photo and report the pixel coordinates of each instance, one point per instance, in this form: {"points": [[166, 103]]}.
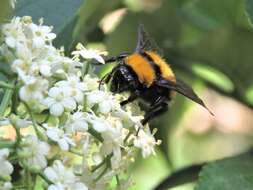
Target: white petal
{"points": [[55, 187], [63, 144], [38, 42], [7, 186], [99, 58], [70, 141], [69, 103], [81, 126], [43, 148], [56, 109], [49, 101], [53, 134], [23, 94], [54, 92], [79, 186], [85, 54], [17, 63], [95, 97], [10, 41], [37, 95], [62, 83], [45, 70], [23, 52], [51, 36], [4, 152], [97, 158], [6, 168], [40, 160], [79, 96], [51, 174], [81, 86], [99, 126], [33, 27], [105, 107], [45, 29]]}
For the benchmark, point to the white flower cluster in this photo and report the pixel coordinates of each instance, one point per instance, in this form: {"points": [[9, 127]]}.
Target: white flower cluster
{"points": [[70, 116]]}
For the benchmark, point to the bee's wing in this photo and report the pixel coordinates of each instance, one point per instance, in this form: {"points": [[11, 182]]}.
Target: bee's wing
{"points": [[145, 42], [182, 88]]}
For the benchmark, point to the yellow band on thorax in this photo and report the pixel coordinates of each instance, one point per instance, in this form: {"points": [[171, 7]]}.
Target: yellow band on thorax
{"points": [[141, 67], [165, 69]]}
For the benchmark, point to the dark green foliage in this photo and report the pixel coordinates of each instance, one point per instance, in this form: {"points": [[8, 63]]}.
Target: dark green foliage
{"points": [[57, 13], [194, 34], [228, 174]]}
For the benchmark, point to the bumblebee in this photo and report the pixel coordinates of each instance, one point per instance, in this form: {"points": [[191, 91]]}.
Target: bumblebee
{"points": [[146, 75]]}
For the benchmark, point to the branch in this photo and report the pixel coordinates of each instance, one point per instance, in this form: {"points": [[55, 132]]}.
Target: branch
{"points": [[183, 176]]}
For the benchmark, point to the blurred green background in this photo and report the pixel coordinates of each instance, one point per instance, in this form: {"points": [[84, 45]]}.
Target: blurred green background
{"points": [[208, 43]]}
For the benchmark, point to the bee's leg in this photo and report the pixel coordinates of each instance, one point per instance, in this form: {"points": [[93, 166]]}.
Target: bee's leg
{"points": [[131, 98], [116, 58], [157, 108], [107, 77]]}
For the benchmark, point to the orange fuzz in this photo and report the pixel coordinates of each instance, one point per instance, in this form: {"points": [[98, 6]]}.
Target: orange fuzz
{"points": [[165, 69], [141, 67]]}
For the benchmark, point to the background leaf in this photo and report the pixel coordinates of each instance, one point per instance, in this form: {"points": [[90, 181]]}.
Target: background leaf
{"points": [[90, 15], [228, 174], [57, 13], [227, 49], [249, 10], [5, 10]]}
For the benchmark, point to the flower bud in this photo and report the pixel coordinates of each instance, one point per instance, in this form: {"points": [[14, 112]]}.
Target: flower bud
{"points": [[5, 177], [34, 169], [23, 154]]}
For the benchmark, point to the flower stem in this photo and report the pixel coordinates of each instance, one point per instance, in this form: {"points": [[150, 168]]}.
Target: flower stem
{"points": [[18, 135], [6, 85], [99, 165], [35, 125], [75, 152], [34, 181], [102, 173], [28, 180], [7, 144], [118, 181], [95, 134], [126, 138], [85, 68], [102, 163], [6, 99], [17, 187], [5, 71], [45, 178]]}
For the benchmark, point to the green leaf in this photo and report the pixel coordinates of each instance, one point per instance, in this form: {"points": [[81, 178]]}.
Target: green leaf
{"points": [[228, 174], [154, 168], [5, 10], [166, 33], [249, 10], [210, 14], [227, 49], [91, 14], [180, 177], [214, 76], [57, 13], [65, 38], [6, 99]]}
